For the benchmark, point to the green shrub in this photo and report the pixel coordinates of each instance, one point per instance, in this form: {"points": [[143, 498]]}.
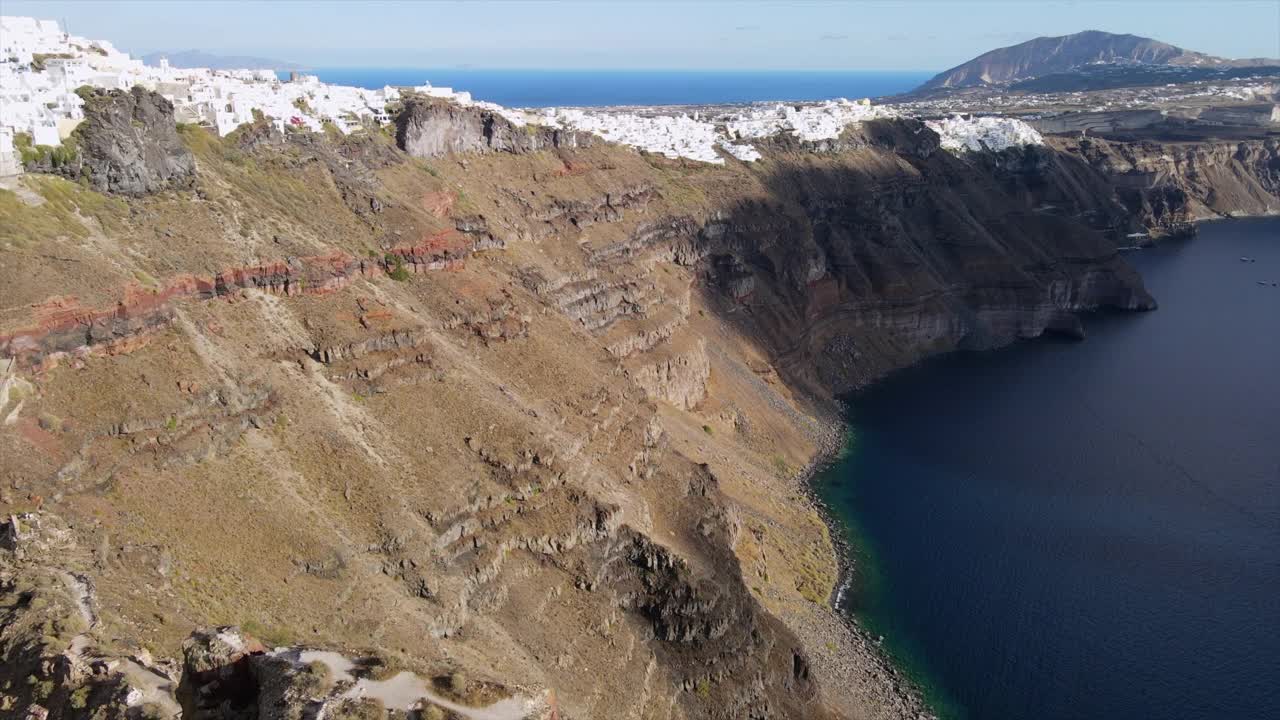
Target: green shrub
{"points": [[80, 698], [353, 709], [458, 684], [780, 465], [396, 268]]}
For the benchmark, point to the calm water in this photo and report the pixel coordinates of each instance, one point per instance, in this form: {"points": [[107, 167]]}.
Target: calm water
{"points": [[547, 88], [1087, 530]]}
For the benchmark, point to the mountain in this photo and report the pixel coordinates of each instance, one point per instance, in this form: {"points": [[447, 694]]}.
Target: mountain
{"points": [[1049, 55], [201, 59]]}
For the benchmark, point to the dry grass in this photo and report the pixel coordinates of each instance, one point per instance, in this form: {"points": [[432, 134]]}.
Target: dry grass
{"points": [[381, 480], [63, 214]]}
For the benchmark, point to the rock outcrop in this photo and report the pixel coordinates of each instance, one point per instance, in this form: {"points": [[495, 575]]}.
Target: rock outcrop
{"points": [[1165, 186], [128, 144], [429, 128]]}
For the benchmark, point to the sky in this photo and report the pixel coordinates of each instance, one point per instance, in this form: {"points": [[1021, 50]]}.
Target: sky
{"points": [[871, 35]]}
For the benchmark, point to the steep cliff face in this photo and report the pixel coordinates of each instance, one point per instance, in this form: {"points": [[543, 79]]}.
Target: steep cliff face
{"points": [[127, 145], [529, 417], [430, 128], [869, 259], [1167, 185]]}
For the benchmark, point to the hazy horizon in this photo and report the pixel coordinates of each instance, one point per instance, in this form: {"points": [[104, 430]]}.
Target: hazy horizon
{"points": [[696, 36]]}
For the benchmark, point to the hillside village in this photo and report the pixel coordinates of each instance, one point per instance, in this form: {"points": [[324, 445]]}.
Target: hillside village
{"points": [[42, 67]]}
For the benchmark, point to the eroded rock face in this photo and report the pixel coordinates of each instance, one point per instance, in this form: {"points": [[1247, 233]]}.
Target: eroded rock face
{"points": [[679, 377], [734, 659], [857, 266], [429, 128], [129, 145], [1167, 186]]}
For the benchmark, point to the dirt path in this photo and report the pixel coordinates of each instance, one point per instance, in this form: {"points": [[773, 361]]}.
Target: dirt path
{"points": [[405, 690]]}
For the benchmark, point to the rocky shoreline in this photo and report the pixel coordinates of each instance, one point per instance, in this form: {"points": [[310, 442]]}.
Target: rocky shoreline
{"points": [[845, 654]]}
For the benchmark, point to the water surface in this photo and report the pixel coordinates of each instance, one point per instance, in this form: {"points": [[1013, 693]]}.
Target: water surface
{"points": [[1087, 530], [581, 88]]}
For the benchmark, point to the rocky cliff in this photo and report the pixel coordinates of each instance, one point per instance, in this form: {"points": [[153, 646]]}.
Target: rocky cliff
{"points": [[500, 418], [1167, 185], [127, 145], [428, 128]]}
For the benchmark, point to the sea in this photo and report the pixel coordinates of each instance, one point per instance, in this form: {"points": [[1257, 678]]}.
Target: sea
{"points": [[1064, 530], [595, 88]]}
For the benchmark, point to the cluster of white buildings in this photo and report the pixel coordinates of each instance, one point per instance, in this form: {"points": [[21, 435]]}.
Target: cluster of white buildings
{"points": [[674, 136], [41, 66], [693, 136], [976, 134], [823, 121]]}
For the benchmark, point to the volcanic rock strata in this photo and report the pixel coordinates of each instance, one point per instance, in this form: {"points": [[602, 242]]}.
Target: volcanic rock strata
{"points": [[505, 418]]}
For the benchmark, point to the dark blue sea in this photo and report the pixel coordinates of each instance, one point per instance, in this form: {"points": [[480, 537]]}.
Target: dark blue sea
{"points": [[1066, 530], [549, 88]]}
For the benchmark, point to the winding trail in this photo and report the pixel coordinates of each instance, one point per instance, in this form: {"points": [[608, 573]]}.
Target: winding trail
{"points": [[405, 690]]}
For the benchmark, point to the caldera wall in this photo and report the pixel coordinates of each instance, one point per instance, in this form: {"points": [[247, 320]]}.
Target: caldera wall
{"points": [[520, 407]]}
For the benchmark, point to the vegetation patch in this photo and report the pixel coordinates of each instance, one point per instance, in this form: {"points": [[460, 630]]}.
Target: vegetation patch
{"points": [[39, 61], [63, 213], [396, 268]]}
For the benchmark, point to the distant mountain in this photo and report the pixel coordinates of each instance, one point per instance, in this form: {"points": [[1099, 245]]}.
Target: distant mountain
{"points": [[1053, 55], [201, 59]]}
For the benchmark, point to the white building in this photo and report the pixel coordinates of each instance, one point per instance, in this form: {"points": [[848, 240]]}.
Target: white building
{"points": [[41, 67], [10, 163]]}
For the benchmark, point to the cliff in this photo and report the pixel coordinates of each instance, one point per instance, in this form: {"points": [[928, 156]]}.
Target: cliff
{"points": [[428, 128], [1172, 183], [126, 145], [507, 417]]}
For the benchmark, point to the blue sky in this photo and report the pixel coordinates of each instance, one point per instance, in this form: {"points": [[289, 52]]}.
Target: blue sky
{"points": [[872, 35]]}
